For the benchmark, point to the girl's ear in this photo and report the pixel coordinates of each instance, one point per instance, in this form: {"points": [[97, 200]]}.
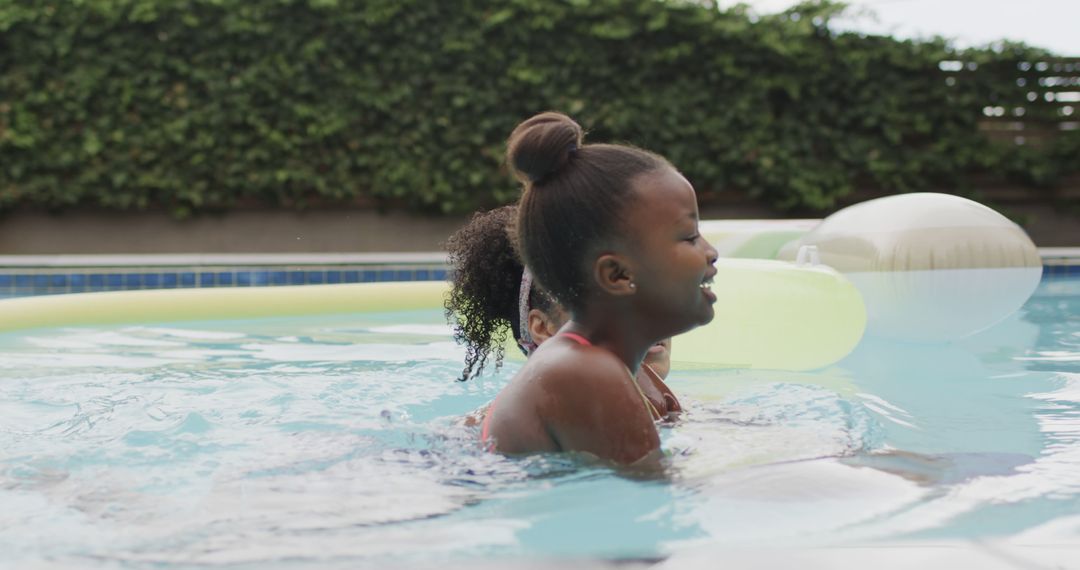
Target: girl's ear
{"points": [[613, 274], [541, 326]]}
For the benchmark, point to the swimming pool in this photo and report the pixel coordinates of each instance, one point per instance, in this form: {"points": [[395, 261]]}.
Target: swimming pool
{"points": [[338, 441]]}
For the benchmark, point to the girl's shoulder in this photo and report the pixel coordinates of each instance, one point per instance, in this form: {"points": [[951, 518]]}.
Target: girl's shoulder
{"points": [[587, 401], [571, 379], [563, 361]]}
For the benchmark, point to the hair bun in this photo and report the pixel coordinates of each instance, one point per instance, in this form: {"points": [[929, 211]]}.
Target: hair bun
{"points": [[541, 145]]}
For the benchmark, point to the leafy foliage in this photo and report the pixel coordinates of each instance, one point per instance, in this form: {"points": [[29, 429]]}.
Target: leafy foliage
{"points": [[206, 104]]}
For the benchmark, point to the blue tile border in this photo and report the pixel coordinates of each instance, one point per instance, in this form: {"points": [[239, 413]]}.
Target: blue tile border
{"points": [[1060, 271], [18, 281]]}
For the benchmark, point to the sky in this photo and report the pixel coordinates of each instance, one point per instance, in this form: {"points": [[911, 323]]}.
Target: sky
{"points": [[1050, 24]]}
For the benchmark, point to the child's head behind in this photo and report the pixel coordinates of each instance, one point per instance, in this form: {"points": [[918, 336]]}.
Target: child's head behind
{"points": [[483, 303], [574, 198]]}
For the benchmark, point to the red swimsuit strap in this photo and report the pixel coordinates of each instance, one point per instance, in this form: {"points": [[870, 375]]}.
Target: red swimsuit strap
{"points": [[485, 428], [576, 337]]}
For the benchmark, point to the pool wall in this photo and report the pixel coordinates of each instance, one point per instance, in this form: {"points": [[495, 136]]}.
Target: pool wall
{"points": [[24, 275], [1060, 261], [46, 275]]}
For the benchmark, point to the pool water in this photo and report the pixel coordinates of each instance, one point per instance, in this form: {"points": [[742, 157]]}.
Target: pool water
{"points": [[340, 441]]}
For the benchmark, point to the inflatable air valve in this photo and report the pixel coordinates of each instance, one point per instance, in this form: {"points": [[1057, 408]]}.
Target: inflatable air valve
{"points": [[808, 255]]}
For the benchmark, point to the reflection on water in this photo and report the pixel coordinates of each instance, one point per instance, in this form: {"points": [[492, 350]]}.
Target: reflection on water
{"points": [[335, 441], [1055, 310]]}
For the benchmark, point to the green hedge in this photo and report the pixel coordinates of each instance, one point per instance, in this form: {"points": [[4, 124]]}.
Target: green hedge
{"points": [[205, 104]]}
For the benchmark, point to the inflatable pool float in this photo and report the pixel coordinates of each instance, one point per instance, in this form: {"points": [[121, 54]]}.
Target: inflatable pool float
{"points": [[770, 314], [930, 267]]}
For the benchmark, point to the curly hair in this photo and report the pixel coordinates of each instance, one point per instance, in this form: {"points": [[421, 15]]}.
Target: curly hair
{"points": [[485, 280]]}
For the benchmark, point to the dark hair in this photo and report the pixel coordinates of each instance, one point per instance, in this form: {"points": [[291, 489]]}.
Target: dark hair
{"points": [[485, 281], [573, 201]]}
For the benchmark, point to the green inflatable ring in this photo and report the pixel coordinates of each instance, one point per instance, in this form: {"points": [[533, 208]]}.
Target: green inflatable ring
{"points": [[770, 314]]}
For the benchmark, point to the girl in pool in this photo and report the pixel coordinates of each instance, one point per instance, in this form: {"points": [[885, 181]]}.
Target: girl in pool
{"points": [[611, 232], [492, 295]]}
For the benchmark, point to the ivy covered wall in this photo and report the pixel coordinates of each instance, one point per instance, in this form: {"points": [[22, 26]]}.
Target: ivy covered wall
{"points": [[206, 104]]}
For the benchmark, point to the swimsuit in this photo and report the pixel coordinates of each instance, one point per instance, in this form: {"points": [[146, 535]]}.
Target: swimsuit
{"points": [[649, 407], [489, 445]]}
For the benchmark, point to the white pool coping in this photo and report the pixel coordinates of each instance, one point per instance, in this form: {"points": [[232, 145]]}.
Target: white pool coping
{"points": [[223, 259], [899, 555], [1001, 554], [1060, 255]]}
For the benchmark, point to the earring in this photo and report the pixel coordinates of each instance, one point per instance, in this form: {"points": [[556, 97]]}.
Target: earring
{"points": [[632, 285]]}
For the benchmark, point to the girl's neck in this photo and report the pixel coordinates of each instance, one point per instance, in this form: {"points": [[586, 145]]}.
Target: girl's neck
{"points": [[618, 336]]}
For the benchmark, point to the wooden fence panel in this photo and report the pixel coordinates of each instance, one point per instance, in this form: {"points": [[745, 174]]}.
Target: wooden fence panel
{"points": [[1044, 103]]}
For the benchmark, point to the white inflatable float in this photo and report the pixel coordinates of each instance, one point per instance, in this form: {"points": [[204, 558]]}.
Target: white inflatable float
{"points": [[930, 267]]}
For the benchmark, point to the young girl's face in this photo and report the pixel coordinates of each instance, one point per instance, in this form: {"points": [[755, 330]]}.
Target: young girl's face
{"points": [[671, 265]]}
